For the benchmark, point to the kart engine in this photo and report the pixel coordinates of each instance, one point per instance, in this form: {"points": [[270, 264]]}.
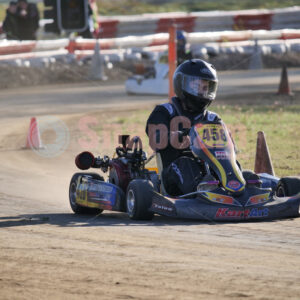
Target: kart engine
{"points": [[128, 165]]}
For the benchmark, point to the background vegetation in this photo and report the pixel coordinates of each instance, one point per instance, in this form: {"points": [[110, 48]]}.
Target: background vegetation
{"points": [[128, 7], [119, 7], [279, 121]]}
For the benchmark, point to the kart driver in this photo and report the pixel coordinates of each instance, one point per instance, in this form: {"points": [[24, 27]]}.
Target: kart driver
{"points": [[195, 85]]}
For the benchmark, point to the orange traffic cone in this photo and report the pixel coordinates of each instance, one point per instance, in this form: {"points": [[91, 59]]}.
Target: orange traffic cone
{"points": [[284, 86], [263, 163], [33, 136]]}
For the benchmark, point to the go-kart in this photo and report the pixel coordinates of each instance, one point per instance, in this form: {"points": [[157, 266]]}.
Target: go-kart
{"points": [[225, 193], [150, 85]]}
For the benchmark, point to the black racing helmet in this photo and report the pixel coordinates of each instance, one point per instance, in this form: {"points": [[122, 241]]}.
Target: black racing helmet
{"points": [[195, 84]]}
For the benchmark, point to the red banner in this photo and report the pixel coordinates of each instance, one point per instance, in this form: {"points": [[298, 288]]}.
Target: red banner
{"points": [[252, 22]]}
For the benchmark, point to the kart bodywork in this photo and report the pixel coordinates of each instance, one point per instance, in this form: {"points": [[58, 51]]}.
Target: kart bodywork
{"points": [[226, 193], [254, 204]]}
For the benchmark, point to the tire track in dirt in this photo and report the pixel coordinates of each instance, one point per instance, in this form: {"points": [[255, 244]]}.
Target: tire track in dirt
{"points": [[46, 252]]}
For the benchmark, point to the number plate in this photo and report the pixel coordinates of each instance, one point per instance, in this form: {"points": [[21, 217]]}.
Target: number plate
{"points": [[212, 135]]}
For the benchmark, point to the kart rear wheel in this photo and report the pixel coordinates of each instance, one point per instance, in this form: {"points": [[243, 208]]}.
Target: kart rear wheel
{"points": [[288, 186], [139, 199], [78, 209]]}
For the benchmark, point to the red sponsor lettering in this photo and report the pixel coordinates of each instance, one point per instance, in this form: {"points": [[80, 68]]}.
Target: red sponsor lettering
{"points": [[221, 212], [246, 213], [229, 213]]}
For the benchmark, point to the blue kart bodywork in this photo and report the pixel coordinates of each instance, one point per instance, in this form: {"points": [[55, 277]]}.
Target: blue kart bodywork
{"points": [[224, 193], [202, 209], [254, 204]]}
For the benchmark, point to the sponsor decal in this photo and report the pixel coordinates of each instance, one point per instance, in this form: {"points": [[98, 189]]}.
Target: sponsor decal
{"points": [[221, 155], [258, 199], [102, 203], [162, 207], [212, 135], [81, 192], [92, 194], [103, 194], [247, 213], [219, 198], [233, 184], [96, 197], [101, 188]]}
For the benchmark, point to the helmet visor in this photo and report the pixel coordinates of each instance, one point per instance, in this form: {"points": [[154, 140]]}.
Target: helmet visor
{"points": [[199, 87]]}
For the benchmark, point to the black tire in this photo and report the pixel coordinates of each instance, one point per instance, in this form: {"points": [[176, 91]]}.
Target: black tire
{"points": [[139, 199], [78, 209], [288, 186]]}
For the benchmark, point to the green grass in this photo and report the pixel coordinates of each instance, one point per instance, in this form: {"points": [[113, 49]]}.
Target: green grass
{"points": [[127, 7], [282, 130], [280, 124]]}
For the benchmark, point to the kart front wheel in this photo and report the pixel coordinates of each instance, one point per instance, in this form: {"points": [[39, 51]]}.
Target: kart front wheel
{"points": [[139, 199], [288, 186], [78, 209]]}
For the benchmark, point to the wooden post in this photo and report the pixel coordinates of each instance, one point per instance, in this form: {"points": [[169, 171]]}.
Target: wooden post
{"points": [[172, 56]]}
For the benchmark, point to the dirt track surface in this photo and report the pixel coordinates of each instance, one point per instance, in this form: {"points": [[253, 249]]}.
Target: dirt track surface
{"points": [[46, 252]]}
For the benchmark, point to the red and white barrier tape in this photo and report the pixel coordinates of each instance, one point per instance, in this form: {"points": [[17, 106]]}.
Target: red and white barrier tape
{"points": [[160, 39]]}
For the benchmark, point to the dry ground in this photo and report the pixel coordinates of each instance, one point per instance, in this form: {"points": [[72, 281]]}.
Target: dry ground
{"points": [[46, 252]]}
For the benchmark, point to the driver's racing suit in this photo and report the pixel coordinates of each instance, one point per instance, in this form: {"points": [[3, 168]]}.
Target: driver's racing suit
{"points": [[181, 173]]}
